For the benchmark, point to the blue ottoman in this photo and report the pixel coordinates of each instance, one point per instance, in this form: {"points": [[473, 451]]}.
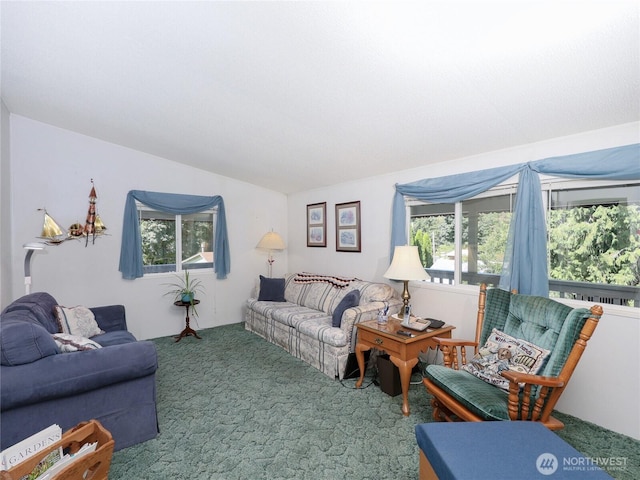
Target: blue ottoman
{"points": [[499, 450]]}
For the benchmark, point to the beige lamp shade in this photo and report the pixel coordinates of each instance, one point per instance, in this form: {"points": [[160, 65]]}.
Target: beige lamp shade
{"points": [[271, 241], [406, 265]]}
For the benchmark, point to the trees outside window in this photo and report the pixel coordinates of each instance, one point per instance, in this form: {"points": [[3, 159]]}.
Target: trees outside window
{"points": [[594, 235], [167, 238], [484, 226], [593, 231]]}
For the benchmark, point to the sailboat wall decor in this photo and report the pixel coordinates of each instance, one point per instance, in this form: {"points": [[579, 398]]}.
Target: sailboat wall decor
{"points": [[52, 233], [99, 225]]}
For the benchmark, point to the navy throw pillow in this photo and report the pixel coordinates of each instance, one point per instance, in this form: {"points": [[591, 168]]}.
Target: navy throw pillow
{"points": [[24, 341], [271, 289], [351, 299], [39, 306]]}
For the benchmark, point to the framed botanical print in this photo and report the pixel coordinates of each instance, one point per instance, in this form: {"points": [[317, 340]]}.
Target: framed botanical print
{"points": [[317, 225], [348, 227]]}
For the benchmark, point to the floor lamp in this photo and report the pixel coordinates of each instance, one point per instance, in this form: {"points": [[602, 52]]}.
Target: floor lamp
{"points": [[271, 241], [30, 248], [406, 266]]}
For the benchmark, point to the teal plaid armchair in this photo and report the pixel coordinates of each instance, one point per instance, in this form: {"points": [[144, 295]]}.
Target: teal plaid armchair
{"points": [[559, 329]]}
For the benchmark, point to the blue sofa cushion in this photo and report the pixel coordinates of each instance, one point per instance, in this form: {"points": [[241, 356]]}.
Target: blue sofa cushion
{"points": [[351, 299], [110, 318], [71, 374], [114, 338], [271, 289], [40, 305], [23, 340]]}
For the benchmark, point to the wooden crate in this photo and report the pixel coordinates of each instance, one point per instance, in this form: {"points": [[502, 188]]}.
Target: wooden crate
{"points": [[96, 464]]}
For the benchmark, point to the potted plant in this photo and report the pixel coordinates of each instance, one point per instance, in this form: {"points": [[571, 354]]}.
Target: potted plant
{"points": [[185, 289]]}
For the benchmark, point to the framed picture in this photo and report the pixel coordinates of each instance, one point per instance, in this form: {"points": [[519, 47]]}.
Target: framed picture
{"points": [[348, 227], [317, 225]]}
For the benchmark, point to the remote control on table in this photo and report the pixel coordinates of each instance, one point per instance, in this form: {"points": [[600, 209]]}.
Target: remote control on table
{"points": [[404, 333]]}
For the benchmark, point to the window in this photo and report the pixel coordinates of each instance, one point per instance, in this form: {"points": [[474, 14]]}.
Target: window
{"points": [[167, 238], [433, 232], [484, 227], [593, 239], [594, 242]]}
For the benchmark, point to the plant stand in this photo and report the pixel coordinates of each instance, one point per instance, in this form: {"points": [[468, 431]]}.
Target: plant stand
{"points": [[187, 330]]}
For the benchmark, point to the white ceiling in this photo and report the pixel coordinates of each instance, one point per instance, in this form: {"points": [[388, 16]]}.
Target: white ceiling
{"points": [[299, 95]]}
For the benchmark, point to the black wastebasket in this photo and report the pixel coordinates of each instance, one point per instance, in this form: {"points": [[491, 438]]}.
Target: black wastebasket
{"points": [[389, 376]]}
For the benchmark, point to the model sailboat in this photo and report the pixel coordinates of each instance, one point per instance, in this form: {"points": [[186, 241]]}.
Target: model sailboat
{"points": [[52, 233], [99, 226]]}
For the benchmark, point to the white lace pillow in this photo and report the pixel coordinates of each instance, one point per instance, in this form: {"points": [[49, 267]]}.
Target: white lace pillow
{"points": [[77, 321], [74, 343]]}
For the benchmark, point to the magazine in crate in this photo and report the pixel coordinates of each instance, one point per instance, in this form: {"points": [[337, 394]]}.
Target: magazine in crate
{"points": [[52, 463], [12, 456]]}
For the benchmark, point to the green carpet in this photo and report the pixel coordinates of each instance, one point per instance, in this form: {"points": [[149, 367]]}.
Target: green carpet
{"points": [[233, 406]]}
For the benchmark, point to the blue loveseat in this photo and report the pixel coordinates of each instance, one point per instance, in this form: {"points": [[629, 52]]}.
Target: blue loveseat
{"points": [[40, 385]]}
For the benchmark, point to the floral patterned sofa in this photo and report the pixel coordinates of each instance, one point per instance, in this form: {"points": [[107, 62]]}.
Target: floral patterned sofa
{"points": [[298, 313]]}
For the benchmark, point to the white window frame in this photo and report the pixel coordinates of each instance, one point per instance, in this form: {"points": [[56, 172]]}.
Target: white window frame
{"points": [[140, 207], [509, 187]]}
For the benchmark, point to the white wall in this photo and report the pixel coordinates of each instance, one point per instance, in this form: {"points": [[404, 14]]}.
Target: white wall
{"points": [[5, 206], [53, 168], [609, 367]]}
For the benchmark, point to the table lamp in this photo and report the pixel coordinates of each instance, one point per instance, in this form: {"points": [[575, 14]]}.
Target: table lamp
{"points": [[406, 266], [271, 241]]}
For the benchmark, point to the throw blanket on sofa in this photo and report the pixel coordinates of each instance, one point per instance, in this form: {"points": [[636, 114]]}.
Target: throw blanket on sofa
{"points": [[336, 282]]}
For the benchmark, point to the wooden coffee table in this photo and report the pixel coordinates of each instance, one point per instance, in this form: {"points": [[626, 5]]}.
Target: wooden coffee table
{"points": [[403, 351]]}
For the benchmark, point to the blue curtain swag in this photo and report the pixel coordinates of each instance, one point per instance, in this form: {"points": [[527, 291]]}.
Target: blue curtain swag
{"points": [[525, 264], [131, 248]]}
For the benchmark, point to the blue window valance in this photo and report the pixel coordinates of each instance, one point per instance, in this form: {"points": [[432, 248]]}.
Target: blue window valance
{"points": [[131, 249], [525, 264]]}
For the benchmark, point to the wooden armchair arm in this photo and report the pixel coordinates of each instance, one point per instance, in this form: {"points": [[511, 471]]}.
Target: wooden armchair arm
{"points": [[526, 378], [454, 342], [520, 400], [449, 348]]}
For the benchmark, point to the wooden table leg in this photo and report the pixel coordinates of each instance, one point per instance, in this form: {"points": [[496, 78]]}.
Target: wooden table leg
{"points": [[360, 349], [405, 367], [186, 332]]}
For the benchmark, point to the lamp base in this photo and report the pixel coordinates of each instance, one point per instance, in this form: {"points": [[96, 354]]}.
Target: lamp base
{"points": [[270, 261], [406, 296]]}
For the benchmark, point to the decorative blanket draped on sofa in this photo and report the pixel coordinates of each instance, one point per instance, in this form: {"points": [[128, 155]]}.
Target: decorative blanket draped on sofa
{"points": [[313, 317]]}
